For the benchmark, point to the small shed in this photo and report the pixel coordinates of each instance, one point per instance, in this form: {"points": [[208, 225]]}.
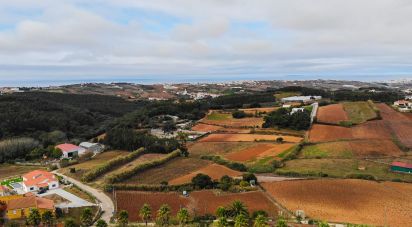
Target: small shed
{"points": [[401, 167]]}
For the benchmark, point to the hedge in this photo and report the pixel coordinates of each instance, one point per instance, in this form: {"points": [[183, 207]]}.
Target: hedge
{"points": [[146, 165], [232, 165], [112, 164], [146, 187]]}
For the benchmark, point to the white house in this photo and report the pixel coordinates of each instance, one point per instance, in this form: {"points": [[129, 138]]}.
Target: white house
{"points": [[93, 147], [295, 110], [70, 150], [39, 179]]}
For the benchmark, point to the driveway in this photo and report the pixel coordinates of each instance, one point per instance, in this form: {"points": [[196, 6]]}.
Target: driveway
{"points": [[104, 201], [74, 201]]}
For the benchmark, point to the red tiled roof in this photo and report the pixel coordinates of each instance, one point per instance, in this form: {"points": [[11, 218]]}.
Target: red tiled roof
{"points": [[402, 164], [30, 202], [3, 188], [38, 177], [66, 147]]}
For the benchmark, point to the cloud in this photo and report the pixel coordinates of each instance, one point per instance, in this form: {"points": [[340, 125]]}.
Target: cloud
{"points": [[185, 37]]}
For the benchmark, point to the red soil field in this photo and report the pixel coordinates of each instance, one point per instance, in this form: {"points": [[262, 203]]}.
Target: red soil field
{"points": [[206, 128], [259, 110], [215, 171], [247, 138], [259, 150], [332, 114], [243, 122], [324, 133], [347, 201], [374, 148], [199, 202], [399, 123]]}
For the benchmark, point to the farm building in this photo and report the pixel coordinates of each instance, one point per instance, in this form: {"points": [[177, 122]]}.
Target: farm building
{"points": [[303, 99], [401, 167], [70, 150], [93, 147]]}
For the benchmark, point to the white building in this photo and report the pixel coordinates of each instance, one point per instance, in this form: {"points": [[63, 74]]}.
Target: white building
{"points": [[93, 147], [39, 179], [304, 99], [71, 150]]}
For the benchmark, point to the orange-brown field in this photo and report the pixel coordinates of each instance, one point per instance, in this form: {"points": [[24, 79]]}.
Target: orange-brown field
{"points": [[332, 114], [215, 171], [369, 130], [243, 122], [259, 110], [198, 203], [258, 151], [247, 138], [347, 201], [206, 128]]}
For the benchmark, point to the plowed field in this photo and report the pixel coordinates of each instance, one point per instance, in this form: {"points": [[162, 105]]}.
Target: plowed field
{"points": [[247, 138], [215, 171], [206, 128], [200, 202], [232, 122], [332, 114], [348, 201], [258, 151]]}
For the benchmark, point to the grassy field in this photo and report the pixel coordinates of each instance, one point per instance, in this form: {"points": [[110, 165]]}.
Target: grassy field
{"points": [[198, 149], [216, 116], [171, 170], [79, 193], [99, 159], [341, 168], [8, 170], [359, 112], [282, 95]]}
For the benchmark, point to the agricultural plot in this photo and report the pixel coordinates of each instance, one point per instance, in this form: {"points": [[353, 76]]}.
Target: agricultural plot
{"points": [[259, 110], [198, 149], [259, 150], [99, 159], [12, 171], [400, 124], [215, 171], [168, 171], [348, 149], [332, 114], [341, 168], [206, 127], [347, 201], [359, 112], [198, 203], [247, 138], [226, 120]]}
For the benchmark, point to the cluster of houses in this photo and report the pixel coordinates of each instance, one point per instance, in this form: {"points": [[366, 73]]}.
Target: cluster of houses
{"points": [[17, 206], [404, 105]]}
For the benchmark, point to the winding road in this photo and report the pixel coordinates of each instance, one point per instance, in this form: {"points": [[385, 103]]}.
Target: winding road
{"points": [[105, 202]]}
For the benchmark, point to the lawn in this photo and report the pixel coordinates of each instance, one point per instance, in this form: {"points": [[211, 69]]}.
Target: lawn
{"points": [[359, 112], [341, 168], [13, 171]]}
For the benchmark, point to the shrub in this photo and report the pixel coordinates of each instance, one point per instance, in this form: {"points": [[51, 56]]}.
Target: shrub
{"points": [[202, 181], [249, 177], [361, 176]]}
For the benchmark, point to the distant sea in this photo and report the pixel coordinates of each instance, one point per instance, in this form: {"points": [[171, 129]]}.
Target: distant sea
{"points": [[44, 82]]}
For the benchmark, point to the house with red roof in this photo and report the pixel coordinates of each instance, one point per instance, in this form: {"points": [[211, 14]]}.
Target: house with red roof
{"points": [[70, 150], [39, 179], [401, 167]]}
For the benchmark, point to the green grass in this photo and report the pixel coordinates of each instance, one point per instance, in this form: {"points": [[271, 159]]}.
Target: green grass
{"points": [[215, 116], [340, 168], [314, 152], [10, 181], [286, 152], [286, 94], [359, 112], [327, 150]]}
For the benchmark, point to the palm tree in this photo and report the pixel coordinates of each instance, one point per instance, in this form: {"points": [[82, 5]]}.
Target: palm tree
{"points": [[323, 224], [69, 222], [86, 217], [34, 218], [123, 218], [101, 223], [163, 215], [261, 221], [281, 223], [241, 221], [183, 216], [222, 222], [238, 208], [221, 212], [145, 213], [47, 218]]}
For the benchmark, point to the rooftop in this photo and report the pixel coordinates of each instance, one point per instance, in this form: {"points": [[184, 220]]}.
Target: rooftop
{"points": [[29, 202], [402, 164], [38, 177], [66, 147]]}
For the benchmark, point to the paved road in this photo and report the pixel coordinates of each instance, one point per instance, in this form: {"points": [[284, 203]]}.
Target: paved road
{"points": [[105, 202], [74, 201]]}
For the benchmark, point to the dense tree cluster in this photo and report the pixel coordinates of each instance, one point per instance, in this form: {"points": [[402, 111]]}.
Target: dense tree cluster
{"points": [[283, 118], [238, 100]]}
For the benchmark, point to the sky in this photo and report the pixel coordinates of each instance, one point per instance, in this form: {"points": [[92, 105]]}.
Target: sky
{"points": [[47, 40]]}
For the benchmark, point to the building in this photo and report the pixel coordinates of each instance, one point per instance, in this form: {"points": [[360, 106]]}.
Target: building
{"points": [[302, 99], [401, 167], [402, 103], [92, 147], [21, 207], [4, 190], [39, 179], [70, 150]]}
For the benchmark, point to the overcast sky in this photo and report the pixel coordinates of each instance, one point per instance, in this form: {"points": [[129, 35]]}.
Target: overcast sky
{"points": [[71, 39]]}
